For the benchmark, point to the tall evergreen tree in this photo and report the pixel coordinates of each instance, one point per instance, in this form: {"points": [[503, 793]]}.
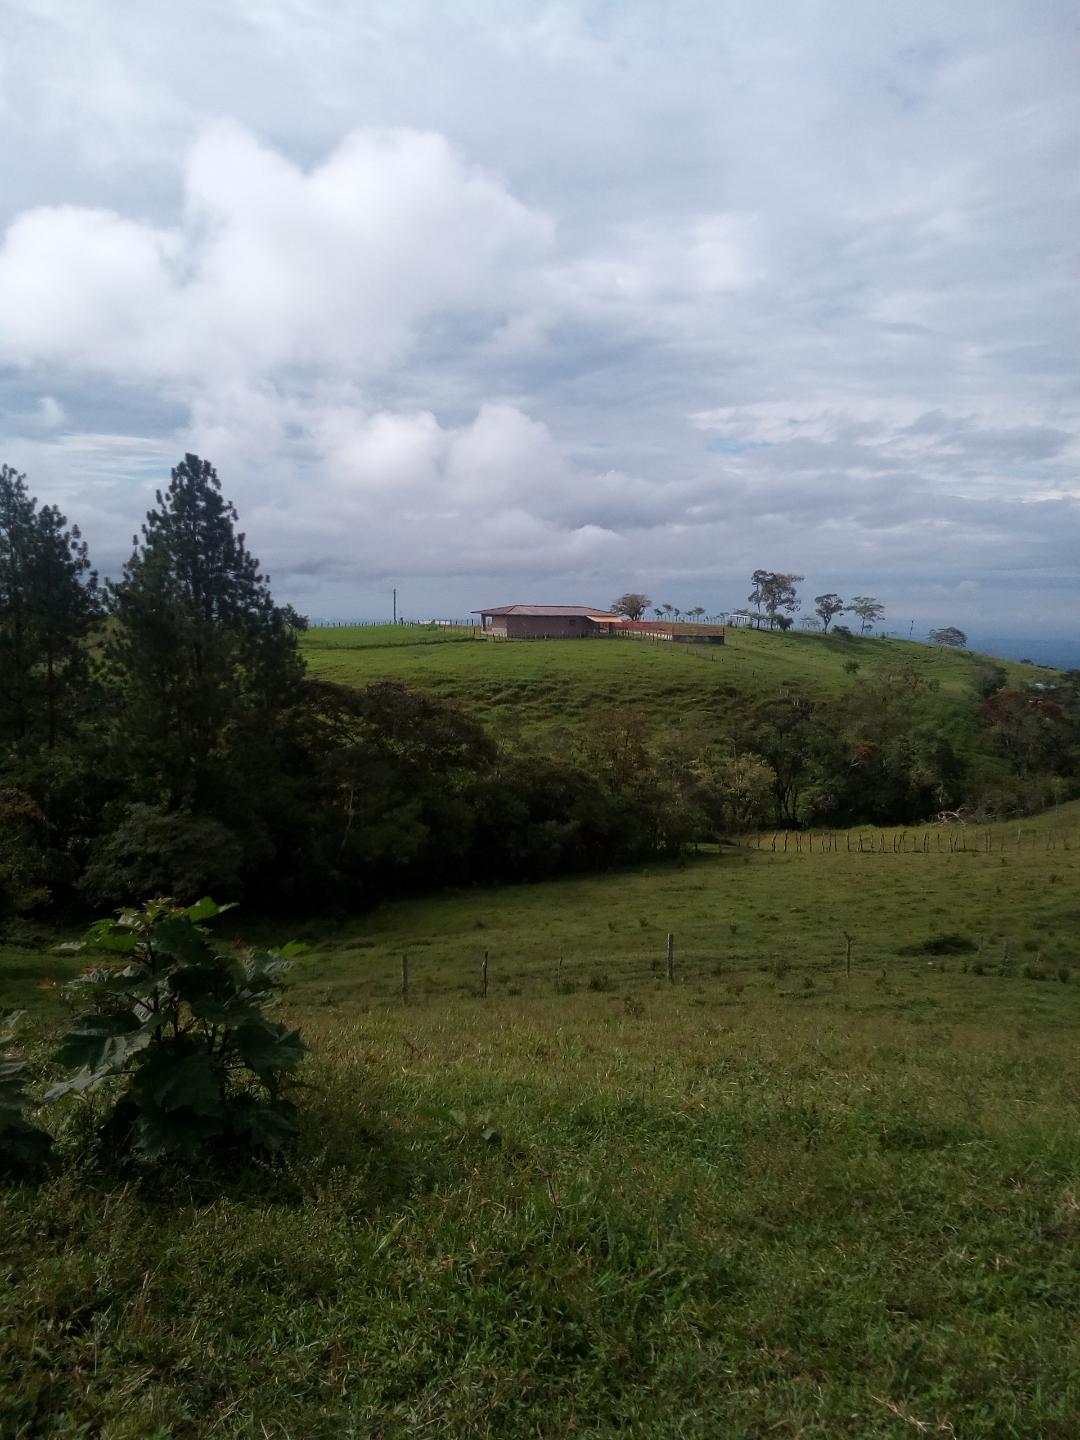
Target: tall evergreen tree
{"points": [[16, 640], [48, 602], [206, 665]]}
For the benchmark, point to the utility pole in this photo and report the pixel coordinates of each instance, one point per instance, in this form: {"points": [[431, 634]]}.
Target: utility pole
{"points": [[395, 606]]}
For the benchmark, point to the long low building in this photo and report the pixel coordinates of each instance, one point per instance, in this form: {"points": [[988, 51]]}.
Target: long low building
{"points": [[580, 622], [546, 622]]}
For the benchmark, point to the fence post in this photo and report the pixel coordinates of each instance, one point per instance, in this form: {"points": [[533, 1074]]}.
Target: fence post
{"points": [[671, 957], [404, 978], [483, 975], [847, 957]]}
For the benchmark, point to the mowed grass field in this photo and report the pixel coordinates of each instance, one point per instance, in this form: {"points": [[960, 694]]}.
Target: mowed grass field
{"points": [[533, 685], [774, 1197]]}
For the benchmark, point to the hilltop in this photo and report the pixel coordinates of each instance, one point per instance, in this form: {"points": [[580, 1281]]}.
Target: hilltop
{"points": [[538, 684]]}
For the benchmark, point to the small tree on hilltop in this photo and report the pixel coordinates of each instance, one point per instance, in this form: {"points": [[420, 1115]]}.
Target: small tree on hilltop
{"points": [[949, 635], [869, 611], [773, 592], [828, 606], [633, 605]]}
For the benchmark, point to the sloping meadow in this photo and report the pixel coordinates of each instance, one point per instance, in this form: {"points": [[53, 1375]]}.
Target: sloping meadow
{"points": [[771, 1195]]}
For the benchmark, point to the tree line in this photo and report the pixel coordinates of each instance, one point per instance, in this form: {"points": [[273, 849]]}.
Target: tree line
{"points": [[160, 735], [776, 599]]}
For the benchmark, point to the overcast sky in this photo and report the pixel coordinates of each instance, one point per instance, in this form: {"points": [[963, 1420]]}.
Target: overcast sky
{"points": [[505, 300]]}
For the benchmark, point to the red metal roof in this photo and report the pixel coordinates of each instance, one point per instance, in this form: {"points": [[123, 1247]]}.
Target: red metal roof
{"points": [[552, 611]]}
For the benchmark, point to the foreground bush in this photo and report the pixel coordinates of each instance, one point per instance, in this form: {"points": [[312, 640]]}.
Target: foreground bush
{"points": [[23, 1146], [178, 1033]]}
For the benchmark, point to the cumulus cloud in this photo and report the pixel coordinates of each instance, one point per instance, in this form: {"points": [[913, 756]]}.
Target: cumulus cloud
{"points": [[271, 267]]}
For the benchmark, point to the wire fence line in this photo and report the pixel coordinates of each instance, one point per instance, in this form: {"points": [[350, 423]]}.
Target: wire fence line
{"points": [[398, 624], [940, 837]]}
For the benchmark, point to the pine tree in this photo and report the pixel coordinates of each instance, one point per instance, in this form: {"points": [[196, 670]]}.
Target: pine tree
{"points": [[206, 665], [16, 641], [48, 602], [65, 604]]}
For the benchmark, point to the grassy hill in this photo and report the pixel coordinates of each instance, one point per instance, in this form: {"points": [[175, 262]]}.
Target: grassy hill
{"points": [[774, 1197], [536, 683], [821, 1183]]}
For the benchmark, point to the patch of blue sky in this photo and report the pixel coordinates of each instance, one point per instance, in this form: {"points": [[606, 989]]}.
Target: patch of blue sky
{"points": [[728, 445]]}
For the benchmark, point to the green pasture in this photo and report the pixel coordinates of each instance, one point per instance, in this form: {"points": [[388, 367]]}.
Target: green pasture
{"points": [[778, 1196], [537, 684]]}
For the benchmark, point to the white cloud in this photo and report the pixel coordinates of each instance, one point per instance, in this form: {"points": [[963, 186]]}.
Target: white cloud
{"points": [[272, 267]]}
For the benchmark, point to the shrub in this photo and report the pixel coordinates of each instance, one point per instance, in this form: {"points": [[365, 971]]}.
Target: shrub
{"points": [[24, 865], [179, 1032], [948, 943], [155, 852], [23, 1146]]}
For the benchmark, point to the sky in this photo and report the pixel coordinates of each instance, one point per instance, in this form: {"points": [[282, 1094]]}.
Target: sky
{"points": [[514, 301]]}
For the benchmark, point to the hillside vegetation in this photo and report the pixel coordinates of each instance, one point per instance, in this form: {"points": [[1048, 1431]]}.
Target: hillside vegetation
{"points": [[539, 684], [772, 1197]]}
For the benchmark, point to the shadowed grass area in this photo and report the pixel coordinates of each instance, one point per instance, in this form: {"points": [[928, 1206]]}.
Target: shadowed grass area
{"points": [[540, 683], [770, 1198]]}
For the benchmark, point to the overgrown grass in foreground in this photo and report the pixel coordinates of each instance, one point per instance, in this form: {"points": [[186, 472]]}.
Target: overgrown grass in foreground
{"points": [[768, 1199]]}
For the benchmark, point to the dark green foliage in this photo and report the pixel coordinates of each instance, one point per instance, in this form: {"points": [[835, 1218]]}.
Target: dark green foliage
{"points": [[774, 591], [828, 606], [23, 1146], [24, 862], [179, 1031], [198, 754], [989, 680], [949, 635], [205, 665], [869, 610], [156, 852], [48, 602], [948, 943]]}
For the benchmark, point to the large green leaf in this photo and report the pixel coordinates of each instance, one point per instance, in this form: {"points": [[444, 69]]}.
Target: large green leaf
{"points": [[191, 982], [206, 909], [267, 1047], [12, 1095], [84, 1080], [110, 935], [23, 1146], [235, 1011], [101, 982], [175, 1081], [102, 1042], [174, 1132], [265, 970], [265, 1125], [178, 938]]}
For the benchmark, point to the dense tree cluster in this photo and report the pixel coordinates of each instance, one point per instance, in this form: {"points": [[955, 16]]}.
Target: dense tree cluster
{"points": [[160, 736], [163, 737]]}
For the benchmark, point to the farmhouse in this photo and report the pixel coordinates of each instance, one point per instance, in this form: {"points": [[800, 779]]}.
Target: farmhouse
{"points": [[546, 622], [582, 622]]}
